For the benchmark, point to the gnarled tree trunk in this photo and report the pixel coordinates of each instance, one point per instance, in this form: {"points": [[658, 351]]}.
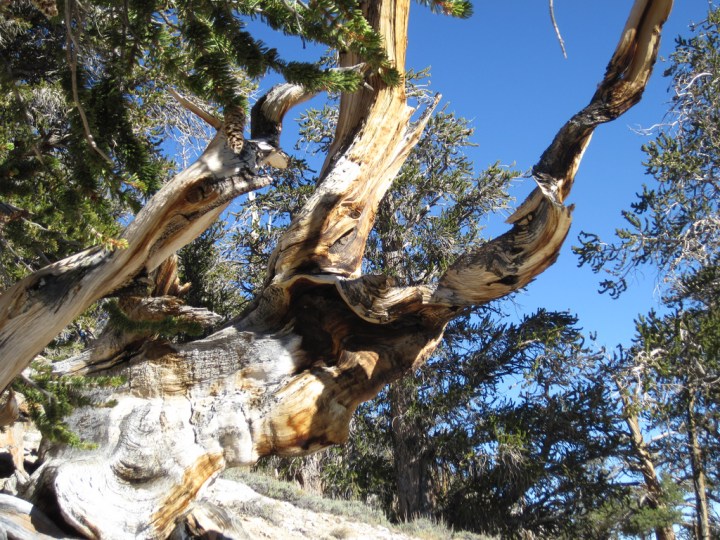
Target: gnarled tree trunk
{"points": [[321, 338]]}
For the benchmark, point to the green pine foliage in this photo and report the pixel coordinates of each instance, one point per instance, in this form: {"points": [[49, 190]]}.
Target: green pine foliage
{"points": [[166, 327], [455, 8], [627, 517], [536, 463], [680, 353], [50, 398], [204, 263], [433, 212]]}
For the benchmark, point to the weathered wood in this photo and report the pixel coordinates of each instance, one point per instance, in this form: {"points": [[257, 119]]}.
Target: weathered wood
{"points": [[20, 520], [541, 223], [206, 519], [187, 411], [373, 138], [51, 298], [116, 343], [9, 410]]}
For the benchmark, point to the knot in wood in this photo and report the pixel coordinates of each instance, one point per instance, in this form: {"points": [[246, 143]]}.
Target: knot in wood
{"points": [[195, 194]]}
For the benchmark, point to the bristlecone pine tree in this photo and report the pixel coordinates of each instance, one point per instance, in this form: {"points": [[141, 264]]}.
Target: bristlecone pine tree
{"points": [[667, 380], [320, 338]]}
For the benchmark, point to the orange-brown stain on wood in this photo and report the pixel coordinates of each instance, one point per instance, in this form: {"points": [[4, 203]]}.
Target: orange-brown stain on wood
{"points": [[185, 492]]}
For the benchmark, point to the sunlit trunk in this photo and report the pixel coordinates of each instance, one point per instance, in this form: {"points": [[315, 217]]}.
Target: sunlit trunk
{"points": [[702, 519]]}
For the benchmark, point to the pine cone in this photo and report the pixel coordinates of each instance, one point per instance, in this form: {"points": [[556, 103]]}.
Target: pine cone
{"points": [[46, 7], [234, 127]]}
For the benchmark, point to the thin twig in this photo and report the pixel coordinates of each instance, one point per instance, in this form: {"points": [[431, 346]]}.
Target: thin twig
{"points": [[167, 21], [28, 381], [298, 19], [71, 53], [18, 258], [197, 111], [557, 29]]}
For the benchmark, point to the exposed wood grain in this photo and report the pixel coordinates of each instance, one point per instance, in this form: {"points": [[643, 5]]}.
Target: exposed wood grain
{"points": [[20, 520], [541, 223], [373, 138], [51, 298]]}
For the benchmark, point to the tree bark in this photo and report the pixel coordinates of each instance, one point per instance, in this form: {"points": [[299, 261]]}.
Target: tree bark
{"points": [[19, 520], [51, 298], [410, 456], [702, 519], [321, 338], [644, 462]]}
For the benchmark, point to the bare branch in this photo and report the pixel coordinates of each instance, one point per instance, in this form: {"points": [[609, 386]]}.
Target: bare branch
{"points": [[197, 111], [52, 297], [561, 41], [71, 53], [541, 223]]}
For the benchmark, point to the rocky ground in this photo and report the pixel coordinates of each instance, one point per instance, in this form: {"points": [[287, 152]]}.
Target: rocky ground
{"points": [[256, 506], [263, 517]]}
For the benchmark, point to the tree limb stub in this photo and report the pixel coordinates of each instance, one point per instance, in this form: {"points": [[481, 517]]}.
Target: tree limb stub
{"points": [[197, 111], [267, 113], [115, 344]]}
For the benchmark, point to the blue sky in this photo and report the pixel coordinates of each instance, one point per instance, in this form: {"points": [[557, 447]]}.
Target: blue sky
{"points": [[504, 69]]}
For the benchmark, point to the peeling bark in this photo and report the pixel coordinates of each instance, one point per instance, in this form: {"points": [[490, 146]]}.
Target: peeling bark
{"points": [[286, 378]]}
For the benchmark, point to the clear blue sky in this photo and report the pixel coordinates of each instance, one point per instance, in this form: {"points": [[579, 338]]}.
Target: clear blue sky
{"points": [[504, 70]]}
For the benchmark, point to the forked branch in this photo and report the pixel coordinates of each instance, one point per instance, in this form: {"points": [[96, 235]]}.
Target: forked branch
{"points": [[286, 378]]}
